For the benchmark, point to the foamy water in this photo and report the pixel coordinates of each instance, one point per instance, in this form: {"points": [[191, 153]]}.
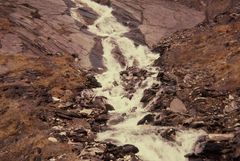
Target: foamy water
{"points": [[152, 147]]}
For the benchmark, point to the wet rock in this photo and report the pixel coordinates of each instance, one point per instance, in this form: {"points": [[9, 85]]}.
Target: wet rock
{"points": [[109, 107], [161, 48], [104, 2], [96, 56], [169, 134], [168, 118], [92, 82], [137, 36], [178, 106], [115, 120], [126, 149], [125, 17], [129, 158], [148, 95], [102, 118], [117, 53], [217, 146], [121, 151], [89, 15], [146, 119]]}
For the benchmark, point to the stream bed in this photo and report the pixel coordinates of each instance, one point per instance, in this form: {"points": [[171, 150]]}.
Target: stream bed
{"points": [[123, 82]]}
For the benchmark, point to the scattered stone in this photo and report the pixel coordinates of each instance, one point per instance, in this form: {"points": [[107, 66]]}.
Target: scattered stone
{"points": [[92, 82], [126, 149], [109, 107], [231, 107], [169, 134], [178, 106], [86, 111], [146, 119]]}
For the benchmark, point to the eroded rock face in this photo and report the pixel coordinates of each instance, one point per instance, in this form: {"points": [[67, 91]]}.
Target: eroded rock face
{"points": [[45, 28], [157, 19]]}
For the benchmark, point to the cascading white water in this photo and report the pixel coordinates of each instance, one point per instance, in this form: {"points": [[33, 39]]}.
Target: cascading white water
{"points": [[152, 147]]}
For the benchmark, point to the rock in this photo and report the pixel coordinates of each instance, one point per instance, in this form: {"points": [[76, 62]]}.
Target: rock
{"points": [[126, 149], [102, 118], [86, 111], [117, 53], [129, 158], [65, 105], [109, 107], [146, 119], [137, 36], [103, 2], [55, 99], [125, 17], [231, 107], [88, 15], [169, 134], [78, 135], [148, 95], [188, 121], [92, 82], [52, 139], [92, 151], [69, 115], [121, 151], [115, 120], [206, 92], [220, 137], [197, 124], [177, 106]]}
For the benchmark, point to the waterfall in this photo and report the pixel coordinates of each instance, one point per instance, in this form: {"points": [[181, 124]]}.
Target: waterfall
{"points": [[152, 147]]}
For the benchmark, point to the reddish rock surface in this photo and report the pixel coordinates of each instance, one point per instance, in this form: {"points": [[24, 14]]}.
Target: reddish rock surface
{"points": [[159, 19]]}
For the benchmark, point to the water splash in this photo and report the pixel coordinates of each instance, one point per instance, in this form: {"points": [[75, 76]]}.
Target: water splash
{"points": [[152, 147]]}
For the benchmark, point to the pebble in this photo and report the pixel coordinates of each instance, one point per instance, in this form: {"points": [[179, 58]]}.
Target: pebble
{"points": [[178, 106], [55, 99], [52, 139]]}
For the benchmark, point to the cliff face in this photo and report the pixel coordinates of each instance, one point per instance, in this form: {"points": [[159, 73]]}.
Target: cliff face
{"points": [[44, 53], [158, 19]]}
